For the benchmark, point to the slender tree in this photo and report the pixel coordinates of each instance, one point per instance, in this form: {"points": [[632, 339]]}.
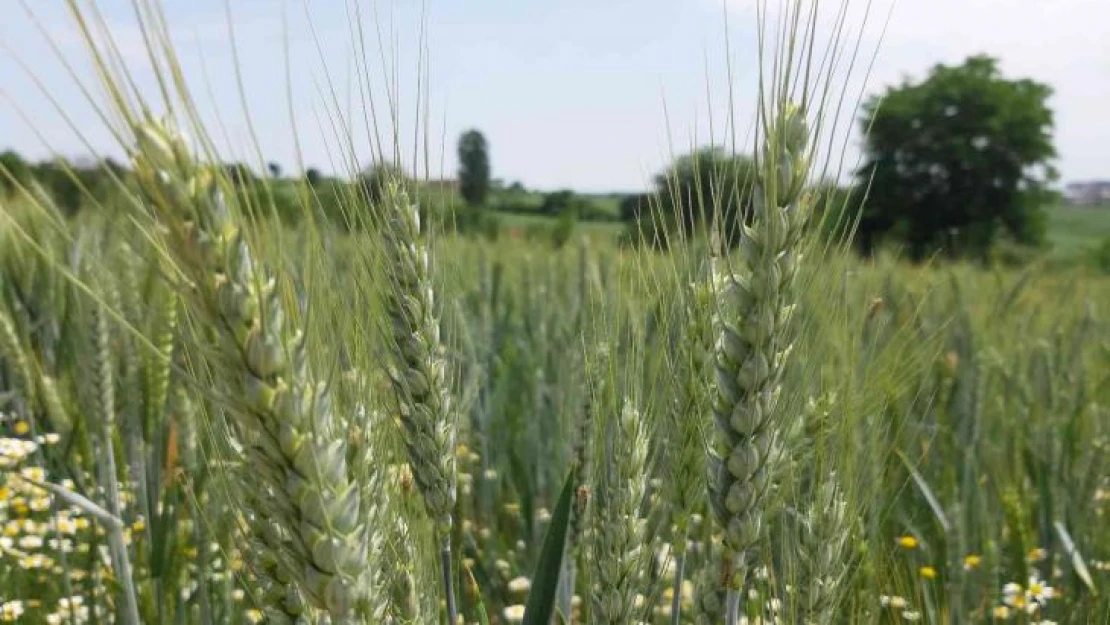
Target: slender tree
{"points": [[474, 170]]}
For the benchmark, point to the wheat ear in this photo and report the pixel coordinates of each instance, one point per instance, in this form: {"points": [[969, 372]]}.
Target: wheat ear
{"points": [[618, 554], [754, 306], [307, 507], [419, 372], [684, 488]]}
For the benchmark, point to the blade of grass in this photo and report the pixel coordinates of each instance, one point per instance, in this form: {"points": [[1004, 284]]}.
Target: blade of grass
{"points": [[545, 580]]}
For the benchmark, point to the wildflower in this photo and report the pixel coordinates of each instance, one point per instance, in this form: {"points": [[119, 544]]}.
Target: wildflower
{"points": [[1015, 597], [908, 542], [30, 541], [519, 585], [1039, 591], [21, 428], [1036, 554], [911, 615], [1001, 612], [11, 611], [928, 572], [514, 613], [139, 524], [65, 525], [254, 616], [36, 561], [972, 561], [895, 602]]}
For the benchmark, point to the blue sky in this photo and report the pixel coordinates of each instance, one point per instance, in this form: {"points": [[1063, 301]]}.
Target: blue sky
{"points": [[569, 93]]}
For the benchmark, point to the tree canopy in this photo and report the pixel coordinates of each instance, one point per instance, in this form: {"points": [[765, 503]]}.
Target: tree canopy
{"points": [[957, 159], [706, 184], [474, 168]]}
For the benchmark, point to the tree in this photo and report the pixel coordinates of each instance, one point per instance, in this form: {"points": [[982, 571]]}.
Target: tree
{"points": [[474, 167], [694, 190], [274, 168], [14, 171], [240, 174], [559, 202], [633, 206], [377, 177], [956, 159], [312, 176]]}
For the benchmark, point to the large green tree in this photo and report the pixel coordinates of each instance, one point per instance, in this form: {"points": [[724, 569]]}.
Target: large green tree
{"points": [[957, 159], [474, 169]]}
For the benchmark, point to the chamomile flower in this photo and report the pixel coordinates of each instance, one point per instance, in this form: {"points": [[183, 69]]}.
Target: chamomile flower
{"points": [[11, 611], [1039, 591], [894, 601], [1015, 596], [514, 613]]}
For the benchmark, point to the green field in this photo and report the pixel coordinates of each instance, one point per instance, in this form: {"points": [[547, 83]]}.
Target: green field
{"points": [[1075, 230], [233, 399]]}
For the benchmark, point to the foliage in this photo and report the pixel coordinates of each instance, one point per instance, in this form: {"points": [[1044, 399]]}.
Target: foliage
{"points": [[211, 417], [696, 188], [956, 159], [14, 171], [632, 207], [375, 180], [474, 168], [1101, 255]]}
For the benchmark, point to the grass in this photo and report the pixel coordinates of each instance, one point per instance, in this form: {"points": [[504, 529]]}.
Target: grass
{"points": [[1075, 230]]}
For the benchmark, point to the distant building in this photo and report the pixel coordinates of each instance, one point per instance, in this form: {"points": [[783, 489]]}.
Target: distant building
{"points": [[1088, 193], [445, 184]]}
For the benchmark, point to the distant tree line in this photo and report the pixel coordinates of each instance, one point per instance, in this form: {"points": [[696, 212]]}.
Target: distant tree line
{"points": [[953, 164]]}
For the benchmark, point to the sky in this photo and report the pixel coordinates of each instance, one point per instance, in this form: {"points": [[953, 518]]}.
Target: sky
{"points": [[594, 95]]}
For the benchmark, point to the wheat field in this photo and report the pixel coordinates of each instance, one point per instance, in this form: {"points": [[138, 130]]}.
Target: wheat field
{"points": [[209, 416]]}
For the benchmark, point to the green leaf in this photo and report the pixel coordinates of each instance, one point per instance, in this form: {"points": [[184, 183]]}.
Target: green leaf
{"points": [[545, 579], [476, 596], [923, 486], [1075, 557]]}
